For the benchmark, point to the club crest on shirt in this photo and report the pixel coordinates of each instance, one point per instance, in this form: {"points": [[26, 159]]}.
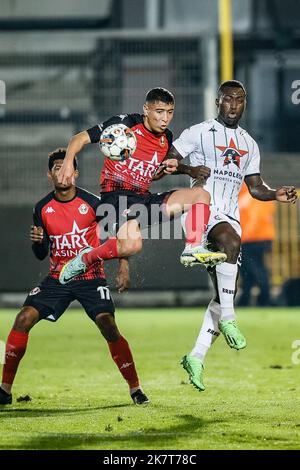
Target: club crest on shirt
{"points": [[35, 291], [231, 153], [83, 209]]}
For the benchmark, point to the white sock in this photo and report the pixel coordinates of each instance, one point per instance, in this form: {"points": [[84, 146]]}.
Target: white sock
{"points": [[226, 279], [209, 331]]}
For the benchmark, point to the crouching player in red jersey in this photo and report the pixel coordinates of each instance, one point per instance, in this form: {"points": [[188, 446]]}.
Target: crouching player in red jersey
{"points": [[130, 180], [66, 220]]}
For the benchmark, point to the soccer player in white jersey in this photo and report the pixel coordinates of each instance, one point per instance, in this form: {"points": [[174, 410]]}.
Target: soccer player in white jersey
{"points": [[222, 155]]}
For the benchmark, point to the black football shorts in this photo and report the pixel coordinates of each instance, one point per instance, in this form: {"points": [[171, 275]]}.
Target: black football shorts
{"points": [[117, 207], [51, 298]]}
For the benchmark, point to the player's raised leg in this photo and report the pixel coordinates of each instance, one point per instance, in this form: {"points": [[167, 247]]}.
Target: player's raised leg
{"points": [[122, 356], [127, 243], [195, 202], [15, 349]]}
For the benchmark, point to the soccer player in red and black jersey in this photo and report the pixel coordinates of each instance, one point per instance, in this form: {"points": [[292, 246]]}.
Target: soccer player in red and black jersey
{"points": [[65, 220], [131, 179]]}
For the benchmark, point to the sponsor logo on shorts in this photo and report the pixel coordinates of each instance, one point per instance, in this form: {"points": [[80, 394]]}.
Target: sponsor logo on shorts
{"points": [[35, 291]]}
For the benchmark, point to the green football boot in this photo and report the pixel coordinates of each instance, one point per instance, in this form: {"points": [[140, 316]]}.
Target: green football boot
{"points": [[194, 367], [74, 267], [197, 255], [232, 334]]}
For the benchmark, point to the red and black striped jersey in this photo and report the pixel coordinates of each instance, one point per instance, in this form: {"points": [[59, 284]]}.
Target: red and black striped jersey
{"points": [[135, 173], [68, 227]]}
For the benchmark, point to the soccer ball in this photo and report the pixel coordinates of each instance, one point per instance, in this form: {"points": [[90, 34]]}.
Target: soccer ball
{"points": [[117, 142]]}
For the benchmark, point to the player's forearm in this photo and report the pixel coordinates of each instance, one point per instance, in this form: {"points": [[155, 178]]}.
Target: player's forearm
{"points": [[124, 263], [76, 144], [173, 153], [262, 192], [184, 170], [40, 250]]}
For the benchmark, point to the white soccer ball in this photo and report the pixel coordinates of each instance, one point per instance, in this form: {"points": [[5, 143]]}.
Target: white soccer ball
{"points": [[118, 142]]}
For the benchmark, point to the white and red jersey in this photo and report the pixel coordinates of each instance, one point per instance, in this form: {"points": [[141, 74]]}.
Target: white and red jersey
{"points": [[136, 173], [68, 227], [231, 154]]}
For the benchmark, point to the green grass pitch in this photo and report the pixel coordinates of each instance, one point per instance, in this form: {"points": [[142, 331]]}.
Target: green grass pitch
{"points": [[80, 401]]}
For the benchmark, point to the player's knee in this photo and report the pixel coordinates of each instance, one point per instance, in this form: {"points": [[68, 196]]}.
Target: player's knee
{"points": [[201, 195], [232, 246], [25, 320], [107, 325]]}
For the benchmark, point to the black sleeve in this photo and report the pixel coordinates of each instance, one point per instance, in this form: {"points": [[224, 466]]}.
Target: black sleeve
{"points": [[169, 136], [94, 133], [128, 120], [40, 249]]}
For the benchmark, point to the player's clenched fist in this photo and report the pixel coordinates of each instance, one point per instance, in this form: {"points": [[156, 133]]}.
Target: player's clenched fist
{"points": [[36, 234], [170, 165], [286, 194]]}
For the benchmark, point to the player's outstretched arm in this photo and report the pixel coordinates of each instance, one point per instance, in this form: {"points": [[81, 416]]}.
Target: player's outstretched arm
{"points": [[261, 191], [76, 144]]}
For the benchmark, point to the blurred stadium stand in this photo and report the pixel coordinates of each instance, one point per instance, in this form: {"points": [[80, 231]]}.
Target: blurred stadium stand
{"points": [[65, 71]]}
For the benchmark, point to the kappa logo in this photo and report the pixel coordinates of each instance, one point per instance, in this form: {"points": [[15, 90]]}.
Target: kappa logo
{"points": [[35, 291], [83, 209], [10, 354], [139, 132], [125, 365], [50, 210]]}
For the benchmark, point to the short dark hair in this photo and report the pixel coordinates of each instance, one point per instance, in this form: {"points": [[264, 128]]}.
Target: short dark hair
{"points": [[160, 94], [231, 84], [59, 154]]}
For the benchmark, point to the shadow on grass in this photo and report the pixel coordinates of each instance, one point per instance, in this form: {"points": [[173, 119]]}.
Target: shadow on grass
{"points": [[148, 437], [43, 412]]}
